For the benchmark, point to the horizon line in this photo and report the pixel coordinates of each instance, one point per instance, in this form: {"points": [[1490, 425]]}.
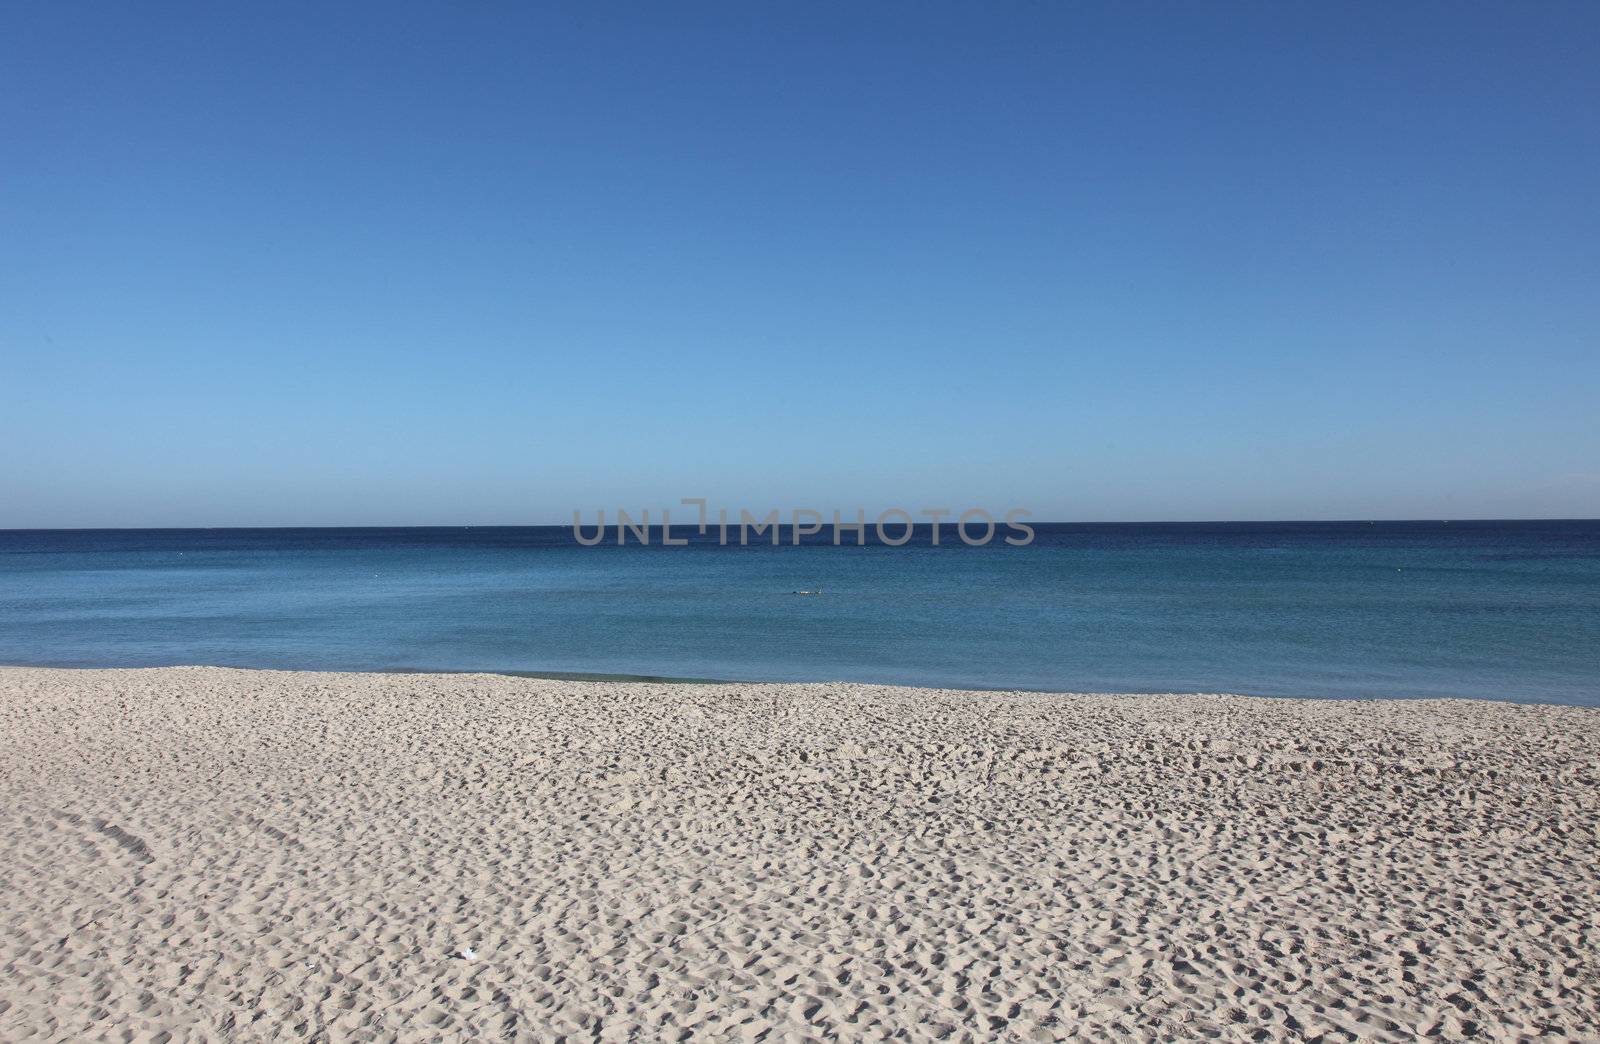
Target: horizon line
{"points": [[692, 526]]}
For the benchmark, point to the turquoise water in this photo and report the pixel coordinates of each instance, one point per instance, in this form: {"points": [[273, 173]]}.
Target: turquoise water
{"points": [[1503, 610]]}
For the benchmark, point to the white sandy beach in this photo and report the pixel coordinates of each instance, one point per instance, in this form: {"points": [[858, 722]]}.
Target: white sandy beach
{"points": [[219, 854]]}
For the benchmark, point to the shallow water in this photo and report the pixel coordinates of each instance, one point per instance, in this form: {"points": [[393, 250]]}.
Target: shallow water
{"points": [[1505, 610]]}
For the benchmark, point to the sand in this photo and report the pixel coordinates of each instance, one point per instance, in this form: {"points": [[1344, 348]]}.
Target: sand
{"points": [[219, 854]]}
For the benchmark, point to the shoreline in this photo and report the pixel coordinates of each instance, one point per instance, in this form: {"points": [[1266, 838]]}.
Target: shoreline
{"points": [[226, 853], [686, 680]]}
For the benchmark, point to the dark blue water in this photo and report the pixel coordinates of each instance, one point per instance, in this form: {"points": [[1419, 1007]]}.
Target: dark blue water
{"points": [[1504, 610]]}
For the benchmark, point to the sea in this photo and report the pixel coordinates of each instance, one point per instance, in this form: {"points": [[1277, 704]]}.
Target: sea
{"points": [[1485, 609]]}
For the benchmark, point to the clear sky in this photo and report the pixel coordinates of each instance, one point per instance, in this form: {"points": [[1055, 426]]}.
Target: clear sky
{"points": [[490, 262]]}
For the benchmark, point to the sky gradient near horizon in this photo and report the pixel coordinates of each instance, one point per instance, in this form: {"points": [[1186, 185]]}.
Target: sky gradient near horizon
{"points": [[469, 264]]}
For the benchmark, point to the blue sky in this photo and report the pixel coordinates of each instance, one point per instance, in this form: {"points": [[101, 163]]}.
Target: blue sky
{"points": [[478, 263]]}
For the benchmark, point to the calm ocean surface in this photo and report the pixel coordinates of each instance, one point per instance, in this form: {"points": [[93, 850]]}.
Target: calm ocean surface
{"points": [[1505, 610]]}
